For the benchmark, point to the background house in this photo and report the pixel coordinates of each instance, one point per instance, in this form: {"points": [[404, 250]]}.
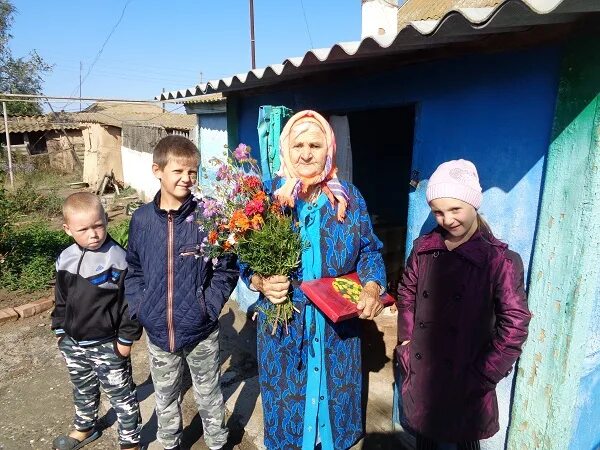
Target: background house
{"points": [[91, 140], [53, 135], [512, 85], [102, 127]]}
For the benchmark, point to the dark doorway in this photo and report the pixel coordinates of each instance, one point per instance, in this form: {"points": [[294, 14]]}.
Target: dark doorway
{"points": [[382, 145]]}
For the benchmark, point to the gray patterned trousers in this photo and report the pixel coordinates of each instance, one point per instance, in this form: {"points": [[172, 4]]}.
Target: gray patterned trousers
{"points": [[167, 373], [98, 366]]}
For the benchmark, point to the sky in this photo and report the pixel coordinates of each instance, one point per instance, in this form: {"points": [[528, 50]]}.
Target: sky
{"points": [[172, 44]]}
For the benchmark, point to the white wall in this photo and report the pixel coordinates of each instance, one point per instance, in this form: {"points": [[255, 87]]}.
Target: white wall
{"points": [[137, 173], [379, 17]]}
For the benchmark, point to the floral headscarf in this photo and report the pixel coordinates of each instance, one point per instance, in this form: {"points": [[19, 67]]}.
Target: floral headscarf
{"points": [[294, 183]]}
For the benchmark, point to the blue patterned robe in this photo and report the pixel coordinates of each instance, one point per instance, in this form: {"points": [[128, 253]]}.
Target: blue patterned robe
{"points": [[283, 372]]}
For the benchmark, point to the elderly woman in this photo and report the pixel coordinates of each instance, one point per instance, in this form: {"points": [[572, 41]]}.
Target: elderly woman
{"points": [[310, 378]]}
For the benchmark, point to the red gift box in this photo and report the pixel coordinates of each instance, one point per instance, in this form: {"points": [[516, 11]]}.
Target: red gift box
{"points": [[334, 296]]}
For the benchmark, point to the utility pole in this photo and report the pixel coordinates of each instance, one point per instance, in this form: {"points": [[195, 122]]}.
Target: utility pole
{"points": [[252, 41], [80, 69], [10, 170]]}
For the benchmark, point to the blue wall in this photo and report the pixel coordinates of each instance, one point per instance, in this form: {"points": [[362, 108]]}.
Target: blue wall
{"points": [[212, 139], [496, 110], [587, 420]]}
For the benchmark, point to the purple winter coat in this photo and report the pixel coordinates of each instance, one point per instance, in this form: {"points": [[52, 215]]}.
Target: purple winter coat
{"points": [[465, 314]]}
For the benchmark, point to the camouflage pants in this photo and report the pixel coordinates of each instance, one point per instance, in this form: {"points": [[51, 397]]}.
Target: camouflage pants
{"points": [[167, 373], [99, 366]]}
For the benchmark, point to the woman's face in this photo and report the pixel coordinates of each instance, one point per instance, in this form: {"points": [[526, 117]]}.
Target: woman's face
{"points": [[308, 152]]}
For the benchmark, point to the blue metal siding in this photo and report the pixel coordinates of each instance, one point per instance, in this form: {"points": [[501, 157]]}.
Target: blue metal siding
{"points": [[212, 141], [495, 110], [585, 431]]}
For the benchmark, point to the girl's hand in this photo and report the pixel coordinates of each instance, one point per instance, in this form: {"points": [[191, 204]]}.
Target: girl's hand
{"points": [[275, 287], [369, 302]]}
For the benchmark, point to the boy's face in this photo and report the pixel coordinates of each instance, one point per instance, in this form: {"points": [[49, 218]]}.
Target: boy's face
{"points": [[88, 228], [177, 177]]}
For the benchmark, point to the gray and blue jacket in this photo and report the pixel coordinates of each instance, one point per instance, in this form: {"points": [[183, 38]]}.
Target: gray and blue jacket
{"points": [[89, 303]]}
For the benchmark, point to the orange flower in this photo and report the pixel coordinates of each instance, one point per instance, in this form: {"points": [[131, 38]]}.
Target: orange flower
{"points": [[227, 246], [212, 237], [276, 208], [239, 220], [259, 196], [257, 222], [252, 183]]}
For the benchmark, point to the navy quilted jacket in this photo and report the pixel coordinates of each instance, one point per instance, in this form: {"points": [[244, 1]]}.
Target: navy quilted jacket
{"points": [[172, 292]]}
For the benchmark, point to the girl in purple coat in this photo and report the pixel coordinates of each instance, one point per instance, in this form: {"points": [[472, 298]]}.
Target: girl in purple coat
{"points": [[462, 317]]}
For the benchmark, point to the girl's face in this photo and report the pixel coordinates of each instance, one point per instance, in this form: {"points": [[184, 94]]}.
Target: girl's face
{"points": [[308, 152], [458, 218]]}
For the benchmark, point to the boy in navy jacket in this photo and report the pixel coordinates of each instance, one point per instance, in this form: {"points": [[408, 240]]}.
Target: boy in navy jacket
{"points": [[177, 296], [92, 323]]}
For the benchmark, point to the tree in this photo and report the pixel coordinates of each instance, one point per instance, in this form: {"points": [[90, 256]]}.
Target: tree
{"points": [[18, 75]]}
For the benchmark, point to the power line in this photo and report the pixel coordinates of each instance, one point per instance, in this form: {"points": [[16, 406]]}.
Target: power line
{"points": [[306, 23], [106, 40], [104, 43], [93, 99]]}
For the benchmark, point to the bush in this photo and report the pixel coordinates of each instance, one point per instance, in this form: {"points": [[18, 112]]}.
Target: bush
{"points": [[28, 257], [5, 216], [27, 200], [120, 232]]}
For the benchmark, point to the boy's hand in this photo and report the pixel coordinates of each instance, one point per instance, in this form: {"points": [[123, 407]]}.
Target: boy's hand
{"points": [[124, 350]]}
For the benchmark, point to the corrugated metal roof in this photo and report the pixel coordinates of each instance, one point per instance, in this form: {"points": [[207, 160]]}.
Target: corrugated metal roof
{"points": [[29, 124], [461, 25]]}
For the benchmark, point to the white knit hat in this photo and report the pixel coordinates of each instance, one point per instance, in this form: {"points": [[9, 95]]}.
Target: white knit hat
{"points": [[455, 179]]}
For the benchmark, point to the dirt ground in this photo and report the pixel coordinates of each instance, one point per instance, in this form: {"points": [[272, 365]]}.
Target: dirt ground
{"points": [[12, 299], [35, 394]]}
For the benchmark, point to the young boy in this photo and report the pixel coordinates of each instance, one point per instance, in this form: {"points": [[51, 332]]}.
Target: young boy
{"points": [[177, 296], [92, 322]]}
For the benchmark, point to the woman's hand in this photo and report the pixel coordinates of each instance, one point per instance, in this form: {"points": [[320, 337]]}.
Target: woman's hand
{"points": [[275, 287], [369, 302]]}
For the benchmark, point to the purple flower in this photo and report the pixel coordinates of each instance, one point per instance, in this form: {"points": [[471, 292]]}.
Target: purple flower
{"points": [[241, 152], [215, 261], [190, 218], [223, 172], [210, 207]]}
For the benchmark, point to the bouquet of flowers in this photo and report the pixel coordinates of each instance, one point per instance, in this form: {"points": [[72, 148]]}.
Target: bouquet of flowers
{"points": [[241, 218]]}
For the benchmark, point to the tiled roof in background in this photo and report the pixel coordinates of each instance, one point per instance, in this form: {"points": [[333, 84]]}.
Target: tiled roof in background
{"points": [[28, 124], [118, 114], [104, 113], [436, 9], [208, 98]]}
